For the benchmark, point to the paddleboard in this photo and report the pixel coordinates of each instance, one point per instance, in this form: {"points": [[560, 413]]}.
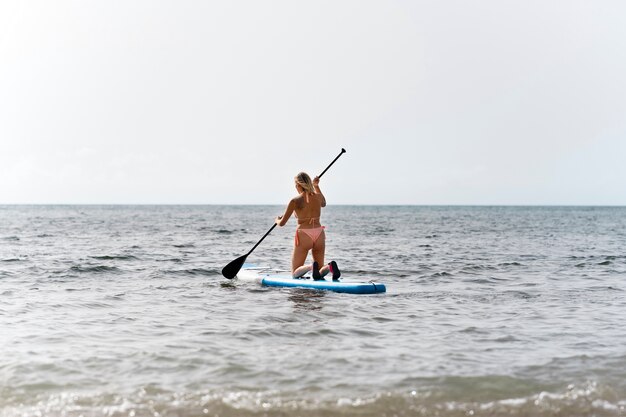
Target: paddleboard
{"points": [[273, 278]]}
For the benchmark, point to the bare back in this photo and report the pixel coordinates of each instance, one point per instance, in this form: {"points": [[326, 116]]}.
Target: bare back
{"points": [[308, 214]]}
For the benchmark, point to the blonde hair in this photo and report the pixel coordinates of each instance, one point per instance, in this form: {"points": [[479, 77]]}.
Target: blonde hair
{"points": [[304, 181]]}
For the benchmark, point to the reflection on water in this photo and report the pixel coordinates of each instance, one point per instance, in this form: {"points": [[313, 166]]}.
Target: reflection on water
{"points": [[306, 300], [228, 285]]}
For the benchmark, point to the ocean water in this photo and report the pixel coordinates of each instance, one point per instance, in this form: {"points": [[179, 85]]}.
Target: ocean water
{"points": [[489, 311]]}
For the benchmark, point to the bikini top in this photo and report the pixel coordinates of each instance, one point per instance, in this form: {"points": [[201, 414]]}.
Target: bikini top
{"points": [[311, 220]]}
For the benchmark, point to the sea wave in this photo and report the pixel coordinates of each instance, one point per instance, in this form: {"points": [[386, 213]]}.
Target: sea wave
{"points": [[588, 398], [193, 272], [95, 269], [115, 257]]}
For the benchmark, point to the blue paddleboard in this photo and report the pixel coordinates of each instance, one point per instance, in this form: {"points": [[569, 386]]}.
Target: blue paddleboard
{"points": [[272, 278]]}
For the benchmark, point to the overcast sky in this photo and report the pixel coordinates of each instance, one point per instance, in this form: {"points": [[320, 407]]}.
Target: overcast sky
{"points": [[220, 102]]}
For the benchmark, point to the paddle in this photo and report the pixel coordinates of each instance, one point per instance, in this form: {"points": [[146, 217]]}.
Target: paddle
{"points": [[230, 271]]}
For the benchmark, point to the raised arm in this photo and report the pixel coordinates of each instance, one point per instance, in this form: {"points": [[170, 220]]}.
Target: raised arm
{"points": [[318, 191]]}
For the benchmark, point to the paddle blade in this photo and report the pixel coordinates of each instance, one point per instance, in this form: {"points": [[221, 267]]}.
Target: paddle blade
{"points": [[230, 271]]}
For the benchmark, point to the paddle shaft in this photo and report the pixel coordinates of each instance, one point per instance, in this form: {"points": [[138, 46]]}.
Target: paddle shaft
{"points": [[331, 164], [264, 236]]}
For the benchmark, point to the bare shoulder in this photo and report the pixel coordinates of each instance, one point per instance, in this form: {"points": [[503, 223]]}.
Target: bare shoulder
{"points": [[298, 201]]}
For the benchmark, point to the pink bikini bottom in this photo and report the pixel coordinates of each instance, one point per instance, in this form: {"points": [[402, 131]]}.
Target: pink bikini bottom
{"points": [[314, 234]]}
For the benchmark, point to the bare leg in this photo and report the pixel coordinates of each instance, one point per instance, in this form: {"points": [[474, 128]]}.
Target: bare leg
{"points": [[318, 252], [301, 271], [297, 261]]}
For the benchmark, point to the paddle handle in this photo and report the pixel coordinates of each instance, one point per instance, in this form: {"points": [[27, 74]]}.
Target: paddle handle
{"points": [[331, 164]]}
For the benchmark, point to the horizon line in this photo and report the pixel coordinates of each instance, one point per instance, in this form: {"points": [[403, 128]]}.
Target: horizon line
{"points": [[341, 204]]}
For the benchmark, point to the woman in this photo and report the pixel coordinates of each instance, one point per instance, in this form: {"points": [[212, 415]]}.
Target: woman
{"points": [[310, 234]]}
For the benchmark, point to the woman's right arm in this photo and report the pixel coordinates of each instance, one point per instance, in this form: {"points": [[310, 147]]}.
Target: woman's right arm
{"points": [[282, 220], [316, 186]]}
